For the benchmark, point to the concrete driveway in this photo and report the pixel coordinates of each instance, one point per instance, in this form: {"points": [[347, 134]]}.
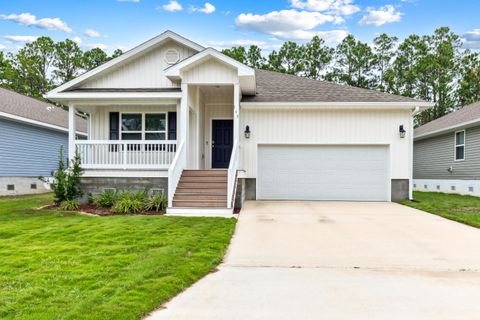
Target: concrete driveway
{"points": [[339, 260]]}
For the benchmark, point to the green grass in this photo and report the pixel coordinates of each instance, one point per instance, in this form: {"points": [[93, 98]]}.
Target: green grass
{"points": [[464, 209], [61, 265]]}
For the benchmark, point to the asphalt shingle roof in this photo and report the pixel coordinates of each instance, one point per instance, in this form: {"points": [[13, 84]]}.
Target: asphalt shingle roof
{"points": [[26, 107], [280, 87], [465, 114]]}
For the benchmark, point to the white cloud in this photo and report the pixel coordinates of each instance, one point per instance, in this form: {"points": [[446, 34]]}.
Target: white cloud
{"points": [[338, 20], [471, 39], [281, 22], [92, 33], [291, 25], [236, 43], [338, 7], [28, 19], [2, 47], [172, 6], [95, 45], [381, 16], [207, 8], [25, 39], [77, 40]]}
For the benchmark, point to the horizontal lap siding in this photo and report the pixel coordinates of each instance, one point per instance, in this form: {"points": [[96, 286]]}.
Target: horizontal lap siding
{"points": [[304, 126], [433, 156], [29, 151]]}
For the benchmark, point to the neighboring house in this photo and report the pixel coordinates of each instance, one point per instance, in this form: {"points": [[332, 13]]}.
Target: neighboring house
{"points": [[31, 133], [165, 113], [447, 153]]}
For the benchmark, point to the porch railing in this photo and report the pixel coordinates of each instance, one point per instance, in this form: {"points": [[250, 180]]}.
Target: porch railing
{"points": [[131, 154], [175, 171], [232, 175]]}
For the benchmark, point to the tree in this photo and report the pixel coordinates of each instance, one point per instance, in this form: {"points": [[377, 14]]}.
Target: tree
{"points": [[317, 57], [93, 58], [383, 48], [238, 53], [254, 57], [116, 53], [291, 58], [68, 60], [354, 64], [469, 83]]}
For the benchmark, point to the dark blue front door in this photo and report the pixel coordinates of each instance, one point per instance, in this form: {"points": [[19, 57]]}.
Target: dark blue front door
{"points": [[222, 143]]}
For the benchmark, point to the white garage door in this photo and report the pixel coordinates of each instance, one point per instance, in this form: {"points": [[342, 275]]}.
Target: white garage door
{"points": [[287, 172]]}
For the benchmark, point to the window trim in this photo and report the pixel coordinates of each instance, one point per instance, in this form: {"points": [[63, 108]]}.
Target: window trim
{"points": [[143, 130], [455, 145]]}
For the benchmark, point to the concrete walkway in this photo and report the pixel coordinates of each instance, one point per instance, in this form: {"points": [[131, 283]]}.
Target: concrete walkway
{"points": [[339, 260]]}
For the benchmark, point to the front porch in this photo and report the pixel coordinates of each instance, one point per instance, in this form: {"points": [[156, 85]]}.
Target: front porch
{"points": [[160, 139]]}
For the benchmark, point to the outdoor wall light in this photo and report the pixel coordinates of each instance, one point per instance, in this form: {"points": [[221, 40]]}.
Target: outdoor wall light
{"points": [[247, 132], [402, 131]]}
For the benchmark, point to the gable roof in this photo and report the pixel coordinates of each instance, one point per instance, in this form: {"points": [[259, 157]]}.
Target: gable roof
{"points": [[279, 87], [19, 107], [127, 56], [465, 116]]}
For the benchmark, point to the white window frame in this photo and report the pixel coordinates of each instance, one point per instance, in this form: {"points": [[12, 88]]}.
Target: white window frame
{"points": [[143, 130], [459, 145]]}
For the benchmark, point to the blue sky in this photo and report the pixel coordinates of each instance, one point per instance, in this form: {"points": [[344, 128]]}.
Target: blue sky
{"points": [[112, 24]]}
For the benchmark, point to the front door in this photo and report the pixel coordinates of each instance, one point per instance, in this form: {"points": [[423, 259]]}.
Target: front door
{"points": [[222, 143]]}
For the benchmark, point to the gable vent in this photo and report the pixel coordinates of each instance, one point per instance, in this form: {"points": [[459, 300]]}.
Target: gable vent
{"points": [[172, 56]]}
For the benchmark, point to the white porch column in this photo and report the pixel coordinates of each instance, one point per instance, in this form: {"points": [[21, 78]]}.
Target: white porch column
{"points": [[236, 112], [184, 120], [71, 131]]}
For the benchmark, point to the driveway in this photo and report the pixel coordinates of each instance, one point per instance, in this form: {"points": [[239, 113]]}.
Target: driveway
{"points": [[339, 260]]}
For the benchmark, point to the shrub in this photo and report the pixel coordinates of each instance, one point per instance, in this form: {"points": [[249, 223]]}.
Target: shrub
{"points": [[157, 202], [70, 205], [106, 199], [130, 203], [66, 180]]}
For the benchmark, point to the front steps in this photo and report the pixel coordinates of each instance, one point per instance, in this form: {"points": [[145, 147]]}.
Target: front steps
{"points": [[201, 192]]}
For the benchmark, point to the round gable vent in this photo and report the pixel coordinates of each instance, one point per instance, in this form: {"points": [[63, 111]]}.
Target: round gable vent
{"points": [[172, 56]]}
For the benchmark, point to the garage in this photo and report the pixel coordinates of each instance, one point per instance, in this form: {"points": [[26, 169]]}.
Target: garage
{"points": [[323, 172]]}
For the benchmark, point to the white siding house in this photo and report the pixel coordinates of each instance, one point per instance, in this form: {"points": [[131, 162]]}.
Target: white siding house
{"points": [[207, 130]]}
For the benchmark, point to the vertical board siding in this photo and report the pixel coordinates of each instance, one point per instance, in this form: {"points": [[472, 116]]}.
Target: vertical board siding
{"points": [[29, 151], [309, 126], [146, 71], [433, 156], [210, 72]]}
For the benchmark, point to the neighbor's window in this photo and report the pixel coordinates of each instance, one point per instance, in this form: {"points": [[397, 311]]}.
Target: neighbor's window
{"points": [[143, 126], [460, 145]]}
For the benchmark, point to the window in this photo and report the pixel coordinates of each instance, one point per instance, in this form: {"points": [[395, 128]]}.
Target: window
{"points": [[460, 145], [143, 126]]}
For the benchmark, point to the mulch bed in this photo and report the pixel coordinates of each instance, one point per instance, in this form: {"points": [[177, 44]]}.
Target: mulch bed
{"points": [[93, 209]]}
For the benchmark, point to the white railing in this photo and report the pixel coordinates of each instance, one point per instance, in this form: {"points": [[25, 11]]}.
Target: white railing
{"points": [[121, 154], [175, 171], [232, 175]]}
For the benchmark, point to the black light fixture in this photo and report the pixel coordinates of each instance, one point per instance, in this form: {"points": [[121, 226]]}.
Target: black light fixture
{"points": [[247, 132], [402, 131]]}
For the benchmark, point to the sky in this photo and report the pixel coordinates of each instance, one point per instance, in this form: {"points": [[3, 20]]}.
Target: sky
{"points": [[123, 24]]}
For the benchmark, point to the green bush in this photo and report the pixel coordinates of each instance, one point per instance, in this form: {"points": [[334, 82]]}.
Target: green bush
{"points": [[70, 205], [106, 199], [157, 202], [130, 202], [66, 179]]}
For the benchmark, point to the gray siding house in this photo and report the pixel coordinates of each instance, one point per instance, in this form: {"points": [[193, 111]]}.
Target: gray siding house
{"points": [[31, 133], [446, 155]]}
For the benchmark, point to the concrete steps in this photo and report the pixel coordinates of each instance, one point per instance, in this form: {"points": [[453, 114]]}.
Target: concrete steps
{"points": [[201, 189]]}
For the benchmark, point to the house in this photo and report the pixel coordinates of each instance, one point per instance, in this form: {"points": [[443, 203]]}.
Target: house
{"points": [[209, 131], [447, 153], [31, 133]]}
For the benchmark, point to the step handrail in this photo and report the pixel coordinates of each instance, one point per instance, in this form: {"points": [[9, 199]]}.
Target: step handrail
{"points": [[232, 175], [175, 171]]}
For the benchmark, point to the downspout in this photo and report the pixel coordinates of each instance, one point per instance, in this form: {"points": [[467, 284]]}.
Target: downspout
{"points": [[415, 111]]}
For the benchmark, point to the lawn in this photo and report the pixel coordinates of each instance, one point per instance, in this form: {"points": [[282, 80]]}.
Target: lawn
{"points": [[60, 265], [464, 209]]}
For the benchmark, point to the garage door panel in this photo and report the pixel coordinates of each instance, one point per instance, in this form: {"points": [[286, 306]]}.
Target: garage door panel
{"points": [[323, 173]]}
